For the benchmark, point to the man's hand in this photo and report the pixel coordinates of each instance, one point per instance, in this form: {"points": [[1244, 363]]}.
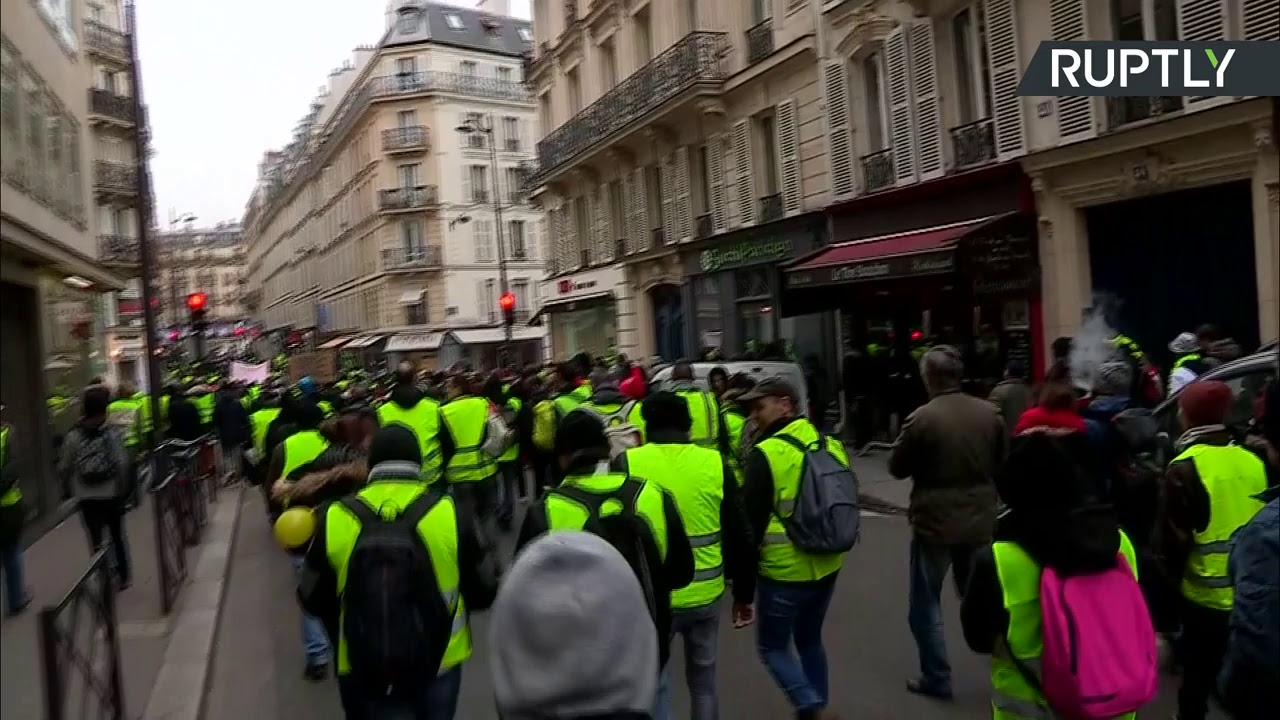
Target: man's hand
{"points": [[743, 615]]}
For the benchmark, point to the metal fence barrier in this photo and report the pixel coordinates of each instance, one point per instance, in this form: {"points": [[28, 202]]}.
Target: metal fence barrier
{"points": [[179, 495], [80, 649]]}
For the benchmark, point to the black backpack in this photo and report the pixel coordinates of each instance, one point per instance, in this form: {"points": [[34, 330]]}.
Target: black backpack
{"points": [[625, 531], [94, 461], [396, 623], [826, 518]]}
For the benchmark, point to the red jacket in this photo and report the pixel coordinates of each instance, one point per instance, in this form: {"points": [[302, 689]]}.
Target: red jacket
{"points": [[1037, 416]]}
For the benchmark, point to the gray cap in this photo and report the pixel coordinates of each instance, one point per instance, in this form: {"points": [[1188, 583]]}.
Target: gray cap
{"points": [[570, 634]]}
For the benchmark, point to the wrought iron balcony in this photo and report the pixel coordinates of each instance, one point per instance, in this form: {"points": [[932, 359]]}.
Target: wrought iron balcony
{"points": [[760, 42], [106, 41], [877, 170], [1125, 110], [115, 177], [408, 198], [426, 257], [411, 138], [974, 143], [119, 250], [770, 207], [414, 83], [110, 105], [697, 58], [704, 226]]}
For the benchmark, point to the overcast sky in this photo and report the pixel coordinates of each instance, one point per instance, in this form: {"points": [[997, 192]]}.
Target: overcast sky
{"points": [[226, 81]]}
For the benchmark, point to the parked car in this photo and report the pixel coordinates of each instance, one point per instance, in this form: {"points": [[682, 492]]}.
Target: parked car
{"points": [[1247, 377]]}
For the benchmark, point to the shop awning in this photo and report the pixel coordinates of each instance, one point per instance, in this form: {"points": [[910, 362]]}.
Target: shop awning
{"points": [[337, 342], [414, 342], [927, 251], [363, 342], [570, 304], [411, 297], [491, 336]]}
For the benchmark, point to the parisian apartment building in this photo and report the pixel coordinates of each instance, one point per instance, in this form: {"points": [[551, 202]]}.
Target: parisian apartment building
{"points": [[389, 223], [68, 216], [209, 260], [716, 174]]}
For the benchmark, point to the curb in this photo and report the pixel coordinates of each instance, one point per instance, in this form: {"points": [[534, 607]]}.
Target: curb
{"points": [[880, 505], [183, 679]]}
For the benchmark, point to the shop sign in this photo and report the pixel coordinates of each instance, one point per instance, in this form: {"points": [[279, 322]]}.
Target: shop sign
{"points": [[568, 286], [931, 263], [1001, 259], [747, 252]]}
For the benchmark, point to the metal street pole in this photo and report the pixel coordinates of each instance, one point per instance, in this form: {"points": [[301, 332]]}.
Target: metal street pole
{"points": [[492, 132], [144, 218]]}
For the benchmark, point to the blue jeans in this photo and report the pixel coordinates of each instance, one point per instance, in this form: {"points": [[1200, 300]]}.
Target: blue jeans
{"points": [[15, 588], [929, 565], [786, 612], [700, 628], [315, 643], [438, 701]]}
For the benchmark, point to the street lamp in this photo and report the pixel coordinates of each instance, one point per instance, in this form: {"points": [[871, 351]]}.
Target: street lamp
{"points": [[460, 220], [472, 125]]}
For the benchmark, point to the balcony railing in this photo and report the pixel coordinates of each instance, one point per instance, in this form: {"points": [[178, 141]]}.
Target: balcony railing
{"points": [[770, 207], [760, 42], [106, 40], [704, 227], [109, 104], [408, 198], [1126, 110], [115, 177], [427, 257], [877, 170], [974, 143], [403, 139], [412, 83], [119, 250], [697, 58]]}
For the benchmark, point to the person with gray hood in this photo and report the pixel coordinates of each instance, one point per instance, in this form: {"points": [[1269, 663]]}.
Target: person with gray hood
{"points": [[570, 634]]}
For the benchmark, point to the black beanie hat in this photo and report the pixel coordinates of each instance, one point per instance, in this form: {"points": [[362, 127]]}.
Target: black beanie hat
{"points": [[394, 442], [578, 431]]}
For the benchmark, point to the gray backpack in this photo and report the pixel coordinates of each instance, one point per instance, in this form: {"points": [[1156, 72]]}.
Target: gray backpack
{"points": [[825, 519]]}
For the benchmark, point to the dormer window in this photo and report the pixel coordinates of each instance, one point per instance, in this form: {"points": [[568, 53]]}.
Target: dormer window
{"points": [[408, 20], [454, 21], [525, 34], [492, 27]]}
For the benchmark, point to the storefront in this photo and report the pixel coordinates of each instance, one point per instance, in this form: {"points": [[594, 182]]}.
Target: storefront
{"points": [[955, 263], [734, 291], [581, 311]]}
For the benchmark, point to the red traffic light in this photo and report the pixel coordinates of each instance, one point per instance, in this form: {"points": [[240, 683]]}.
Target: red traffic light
{"points": [[507, 301], [197, 301]]}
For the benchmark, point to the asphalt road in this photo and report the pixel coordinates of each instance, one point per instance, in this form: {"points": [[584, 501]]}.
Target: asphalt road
{"points": [[258, 667]]}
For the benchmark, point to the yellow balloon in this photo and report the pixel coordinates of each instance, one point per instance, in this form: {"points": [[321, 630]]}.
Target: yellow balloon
{"points": [[294, 527]]}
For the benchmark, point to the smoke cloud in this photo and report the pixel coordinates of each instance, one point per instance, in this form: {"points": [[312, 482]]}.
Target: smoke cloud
{"points": [[1092, 345]]}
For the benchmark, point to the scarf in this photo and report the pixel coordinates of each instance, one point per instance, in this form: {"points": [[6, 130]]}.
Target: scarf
{"points": [[1195, 435]]}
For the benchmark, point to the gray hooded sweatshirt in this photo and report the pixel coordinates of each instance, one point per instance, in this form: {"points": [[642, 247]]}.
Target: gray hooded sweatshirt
{"points": [[570, 635]]}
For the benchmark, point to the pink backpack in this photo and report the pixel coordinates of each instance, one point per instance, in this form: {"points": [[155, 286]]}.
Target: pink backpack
{"points": [[1099, 658]]}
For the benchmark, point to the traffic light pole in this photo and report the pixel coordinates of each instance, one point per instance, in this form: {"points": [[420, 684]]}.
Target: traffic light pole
{"points": [[492, 132]]}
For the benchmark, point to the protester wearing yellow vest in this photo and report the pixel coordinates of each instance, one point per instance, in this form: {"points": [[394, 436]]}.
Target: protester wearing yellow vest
{"points": [[567, 394], [734, 415], [202, 397], [465, 574], [582, 451], [708, 427], [125, 414], [706, 496], [1209, 492], [472, 472], [12, 517], [408, 406], [795, 587]]}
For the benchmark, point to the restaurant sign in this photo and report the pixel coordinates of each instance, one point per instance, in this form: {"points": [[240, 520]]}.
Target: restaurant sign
{"points": [[929, 263], [747, 252]]}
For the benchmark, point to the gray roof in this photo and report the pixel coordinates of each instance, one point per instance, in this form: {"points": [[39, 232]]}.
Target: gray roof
{"points": [[433, 26]]}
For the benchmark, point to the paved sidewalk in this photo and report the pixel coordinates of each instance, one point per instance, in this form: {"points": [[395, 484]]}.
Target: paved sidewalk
{"points": [[54, 563], [877, 486]]}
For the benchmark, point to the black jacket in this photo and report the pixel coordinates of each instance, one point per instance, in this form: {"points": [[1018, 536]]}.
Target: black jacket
{"points": [[673, 573], [184, 419], [231, 421]]}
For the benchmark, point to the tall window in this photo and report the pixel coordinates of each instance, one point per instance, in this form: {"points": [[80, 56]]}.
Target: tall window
{"points": [[973, 71], [1145, 19], [516, 240], [653, 188], [873, 101], [573, 86], [469, 68], [406, 65], [701, 183], [644, 37], [583, 222], [511, 133], [489, 301], [416, 313], [608, 66], [406, 118], [475, 139], [482, 231], [411, 237], [769, 151], [504, 74], [617, 211], [408, 175], [478, 179], [515, 185], [520, 288]]}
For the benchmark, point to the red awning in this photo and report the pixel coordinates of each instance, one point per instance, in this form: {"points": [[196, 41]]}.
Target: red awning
{"points": [[908, 243]]}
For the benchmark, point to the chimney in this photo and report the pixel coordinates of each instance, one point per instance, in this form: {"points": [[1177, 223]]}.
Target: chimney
{"points": [[501, 8]]}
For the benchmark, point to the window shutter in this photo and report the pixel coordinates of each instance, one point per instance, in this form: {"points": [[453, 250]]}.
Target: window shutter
{"points": [[670, 231], [1006, 72], [1068, 21], [715, 179], [1261, 21], [466, 184], [482, 307], [562, 238], [742, 172], [928, 114], [835, 79], [537, 230], [640, 220], [631, 240], [901, 124], [603, 251], [1204, 21], [788, 143], [683, 229]]}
